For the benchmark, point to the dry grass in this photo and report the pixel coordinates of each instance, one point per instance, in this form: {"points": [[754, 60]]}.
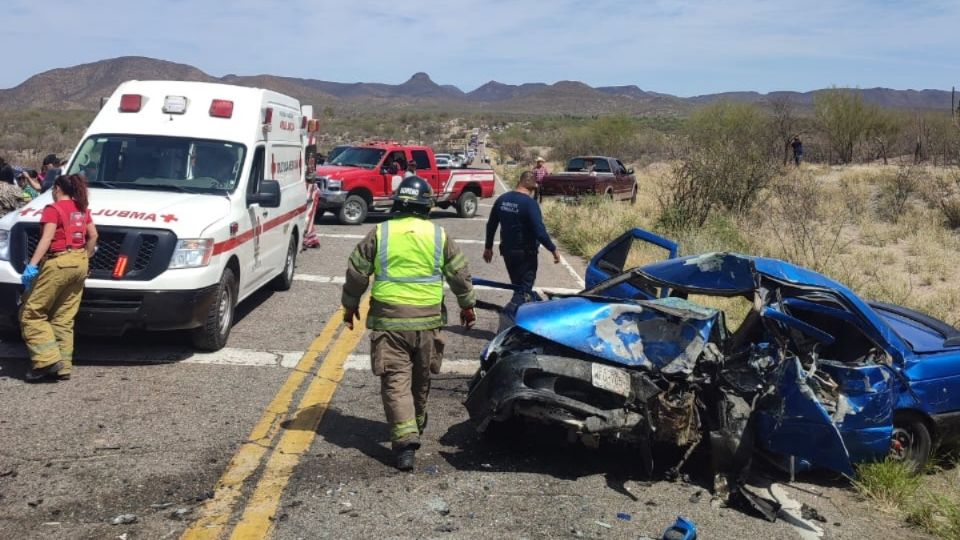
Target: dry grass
{"points": [[833, 219]]}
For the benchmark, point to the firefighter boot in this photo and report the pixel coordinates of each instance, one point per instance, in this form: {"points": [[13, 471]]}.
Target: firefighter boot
{"points": [[40, 374], [406, 457]]}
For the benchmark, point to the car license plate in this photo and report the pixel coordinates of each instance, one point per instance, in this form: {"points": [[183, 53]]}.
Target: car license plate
{"points": [[611, 379]]}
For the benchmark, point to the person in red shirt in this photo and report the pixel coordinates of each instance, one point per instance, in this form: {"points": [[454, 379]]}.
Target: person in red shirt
{"points": [[53, 289], [539, 172]]}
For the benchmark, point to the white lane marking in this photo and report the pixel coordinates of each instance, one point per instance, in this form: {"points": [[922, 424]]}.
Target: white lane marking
{"points": [[572, 271], [229, 356], [340, 280], [500, 181], [458, 366], [335, 280]]}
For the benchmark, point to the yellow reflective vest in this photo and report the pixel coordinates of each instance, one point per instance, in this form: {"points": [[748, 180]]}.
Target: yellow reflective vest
{"points": [[408, 266]]}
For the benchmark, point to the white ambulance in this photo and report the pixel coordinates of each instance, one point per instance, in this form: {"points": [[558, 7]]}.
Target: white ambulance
{"points": [[198, 194]]}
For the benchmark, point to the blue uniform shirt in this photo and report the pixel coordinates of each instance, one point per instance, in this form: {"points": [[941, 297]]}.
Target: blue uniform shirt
{"points": [[520, 221]]}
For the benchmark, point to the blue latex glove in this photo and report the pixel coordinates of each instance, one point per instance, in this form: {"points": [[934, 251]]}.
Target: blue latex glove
{"points": [[29, 274]]}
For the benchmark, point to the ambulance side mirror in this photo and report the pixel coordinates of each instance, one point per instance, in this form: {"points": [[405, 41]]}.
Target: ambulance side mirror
{"points": [[268, 196]]}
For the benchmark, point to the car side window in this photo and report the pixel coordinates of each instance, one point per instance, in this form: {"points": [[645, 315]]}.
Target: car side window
{"points": [[602, 166], [256, 170], [422, 159], [623, 170]]}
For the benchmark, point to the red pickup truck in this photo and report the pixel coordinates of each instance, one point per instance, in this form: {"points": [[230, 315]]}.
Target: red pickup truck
{"points": [[364, 177]]}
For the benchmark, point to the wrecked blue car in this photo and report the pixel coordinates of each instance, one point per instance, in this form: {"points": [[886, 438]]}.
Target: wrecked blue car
{"points": [[739, 353]]}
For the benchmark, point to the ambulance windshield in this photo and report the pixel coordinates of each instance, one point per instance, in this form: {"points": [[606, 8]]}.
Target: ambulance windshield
{"points": [[160, 163]]}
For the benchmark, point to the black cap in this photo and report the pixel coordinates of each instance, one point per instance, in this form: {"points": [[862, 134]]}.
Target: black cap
{"points": [[51, 159]]}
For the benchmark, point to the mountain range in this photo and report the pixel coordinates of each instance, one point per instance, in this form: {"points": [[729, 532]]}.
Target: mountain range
{"points": [[83, 86]]}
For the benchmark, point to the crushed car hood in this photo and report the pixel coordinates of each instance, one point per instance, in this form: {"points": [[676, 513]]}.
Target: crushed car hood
{"points": [[667, 335]]}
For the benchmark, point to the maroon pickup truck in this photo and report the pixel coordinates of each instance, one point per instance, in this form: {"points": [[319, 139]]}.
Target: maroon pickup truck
{"points": [[592, 175]]}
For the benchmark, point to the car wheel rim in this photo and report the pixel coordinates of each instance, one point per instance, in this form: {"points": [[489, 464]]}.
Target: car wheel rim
{"points": [[352, 210], [225, 311], [901, 445], [470, 206]]}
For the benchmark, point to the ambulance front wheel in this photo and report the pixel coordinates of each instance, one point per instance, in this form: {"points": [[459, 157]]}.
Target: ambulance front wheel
{"points": [[284, 281], [212, 336]]}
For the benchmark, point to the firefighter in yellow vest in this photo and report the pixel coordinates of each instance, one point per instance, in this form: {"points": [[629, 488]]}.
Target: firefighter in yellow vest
{"points": [[408, 256]]}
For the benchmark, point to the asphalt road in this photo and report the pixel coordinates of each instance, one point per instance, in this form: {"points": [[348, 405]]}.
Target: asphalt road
{"points": [[282, 435]]}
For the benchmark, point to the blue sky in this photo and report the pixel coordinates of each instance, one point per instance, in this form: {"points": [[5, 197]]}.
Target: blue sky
{"points": [[682, 47]]}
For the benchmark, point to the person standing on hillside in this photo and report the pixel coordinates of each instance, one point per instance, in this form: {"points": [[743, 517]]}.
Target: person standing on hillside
{"points": [[540, 171], [409, 256], [521, 233], [797, 146]]}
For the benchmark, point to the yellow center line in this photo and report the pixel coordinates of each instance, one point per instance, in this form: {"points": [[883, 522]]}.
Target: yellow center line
{"points": [[214, 515], [262, 506]]}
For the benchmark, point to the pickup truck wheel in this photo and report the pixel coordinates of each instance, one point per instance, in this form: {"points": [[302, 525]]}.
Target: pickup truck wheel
{"points": [[609, 194], [467, 205], [911, 442], [353, 211], [633, 196], [212, 336], [284, 281]]}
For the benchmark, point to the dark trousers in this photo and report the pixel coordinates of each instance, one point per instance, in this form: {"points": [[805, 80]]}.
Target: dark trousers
{"points": [[522, 268]]}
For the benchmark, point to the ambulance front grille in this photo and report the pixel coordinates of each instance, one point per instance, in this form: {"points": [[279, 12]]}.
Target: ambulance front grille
{"points": [[148, 251]]}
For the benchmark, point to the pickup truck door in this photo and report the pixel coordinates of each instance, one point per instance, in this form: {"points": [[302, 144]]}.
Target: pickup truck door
{"points": [[624, 185], [390, 180], [427, 169]]}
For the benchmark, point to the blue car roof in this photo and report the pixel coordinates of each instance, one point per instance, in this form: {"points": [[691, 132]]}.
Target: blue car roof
{"points": [[729, 274]]}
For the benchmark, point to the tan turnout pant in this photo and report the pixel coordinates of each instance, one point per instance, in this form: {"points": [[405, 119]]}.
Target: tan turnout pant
{"points": [[49, 308], [404, 362]]}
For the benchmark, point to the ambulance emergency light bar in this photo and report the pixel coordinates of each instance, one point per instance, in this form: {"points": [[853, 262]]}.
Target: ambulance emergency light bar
{"points": [[219, 108]]}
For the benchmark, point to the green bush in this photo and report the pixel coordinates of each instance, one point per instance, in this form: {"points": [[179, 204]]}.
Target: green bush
{"points": [[727, 160]]}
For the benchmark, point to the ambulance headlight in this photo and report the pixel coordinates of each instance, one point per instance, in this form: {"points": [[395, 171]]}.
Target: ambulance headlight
{"points": [[192, 253], [4, 245]]}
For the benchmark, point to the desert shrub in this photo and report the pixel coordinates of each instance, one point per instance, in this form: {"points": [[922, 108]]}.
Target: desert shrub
{"points": [[805, 231], [725, 163], [895, 190], [947, 188]]}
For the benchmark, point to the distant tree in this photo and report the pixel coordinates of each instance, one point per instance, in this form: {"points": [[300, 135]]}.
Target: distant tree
{"points": [[844, 119], [883, 130], [785, 122], [726, 162]]}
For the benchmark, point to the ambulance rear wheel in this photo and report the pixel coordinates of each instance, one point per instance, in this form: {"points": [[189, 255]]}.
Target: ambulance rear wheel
{"points": [[353, 211], [284, 281], [212, 336]]}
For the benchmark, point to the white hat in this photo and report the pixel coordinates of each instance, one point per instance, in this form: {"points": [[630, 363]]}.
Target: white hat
{"points": [[540, 159]]}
